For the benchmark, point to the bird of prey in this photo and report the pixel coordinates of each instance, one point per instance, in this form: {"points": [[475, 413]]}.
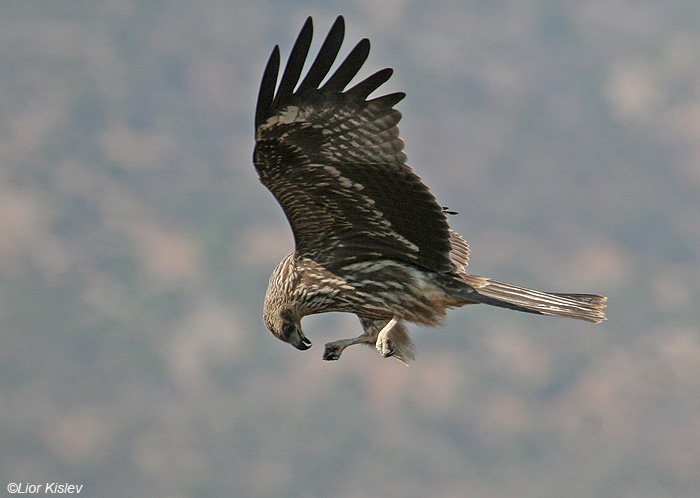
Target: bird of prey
{"points": [[370, 238]]}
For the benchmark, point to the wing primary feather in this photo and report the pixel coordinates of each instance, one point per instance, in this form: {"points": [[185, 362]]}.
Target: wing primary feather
{"points": [[371, 83], [349, 68], [325, 58], [388, 100], [295, 64], [263, 109]]}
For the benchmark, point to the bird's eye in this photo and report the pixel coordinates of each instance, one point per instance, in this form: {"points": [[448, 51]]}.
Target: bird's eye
{"points": [[287, 329]]}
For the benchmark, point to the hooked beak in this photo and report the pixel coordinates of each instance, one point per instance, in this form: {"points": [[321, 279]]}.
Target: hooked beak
{"points": [[303, 344]]}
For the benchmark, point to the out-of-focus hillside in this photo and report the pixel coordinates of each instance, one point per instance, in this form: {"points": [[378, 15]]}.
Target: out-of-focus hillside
{"points": [[136, 243]]}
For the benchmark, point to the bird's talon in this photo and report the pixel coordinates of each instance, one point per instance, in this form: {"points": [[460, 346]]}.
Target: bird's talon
{"points": [[385, 347], [332, 352]]}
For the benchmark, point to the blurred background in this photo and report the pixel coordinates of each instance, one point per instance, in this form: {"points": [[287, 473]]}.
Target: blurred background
{"points": [[136, 244]]}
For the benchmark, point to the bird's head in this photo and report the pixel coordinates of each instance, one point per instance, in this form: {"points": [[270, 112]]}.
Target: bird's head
{"points": [[281, 311], [286, 327]]}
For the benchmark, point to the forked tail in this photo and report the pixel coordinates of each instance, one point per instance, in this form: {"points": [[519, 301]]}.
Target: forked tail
{"points": [[588, 307]]}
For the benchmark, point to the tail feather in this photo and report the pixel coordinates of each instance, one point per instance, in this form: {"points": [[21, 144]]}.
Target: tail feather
{"points": [[588, 307]]}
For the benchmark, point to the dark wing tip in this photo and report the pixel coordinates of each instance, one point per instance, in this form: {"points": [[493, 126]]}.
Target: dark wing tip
{"points": [[266, 95], [348, 68], [371, 83], [326, 56], [273, 97], [390, 99], [295, 64]]}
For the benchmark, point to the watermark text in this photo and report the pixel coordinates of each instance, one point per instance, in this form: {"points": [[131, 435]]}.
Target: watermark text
{"points": [[47, 488]]}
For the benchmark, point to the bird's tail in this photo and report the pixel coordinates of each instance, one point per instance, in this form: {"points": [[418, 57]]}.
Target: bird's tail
{"points": [[588, 307]]}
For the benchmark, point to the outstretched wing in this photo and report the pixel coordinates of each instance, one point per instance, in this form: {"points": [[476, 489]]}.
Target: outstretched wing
{"points": [[334, 161]]}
